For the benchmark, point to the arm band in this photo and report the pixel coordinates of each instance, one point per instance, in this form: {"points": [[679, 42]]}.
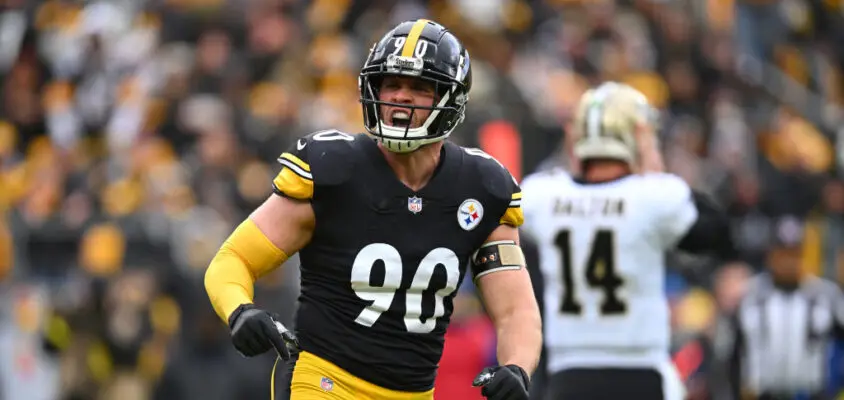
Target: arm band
{"points": [[496, 256], [244, 257]]}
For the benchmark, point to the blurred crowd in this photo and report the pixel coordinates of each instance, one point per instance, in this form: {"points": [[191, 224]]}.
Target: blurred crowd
{"points": [[135, 134]]}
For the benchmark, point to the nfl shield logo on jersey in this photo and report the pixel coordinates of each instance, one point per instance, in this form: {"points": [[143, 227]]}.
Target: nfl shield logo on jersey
{"points": [[326, 384], [414, 204], [469, 214]]}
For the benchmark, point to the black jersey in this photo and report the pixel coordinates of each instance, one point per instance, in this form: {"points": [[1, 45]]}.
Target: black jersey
{"points": [[379, 276]]}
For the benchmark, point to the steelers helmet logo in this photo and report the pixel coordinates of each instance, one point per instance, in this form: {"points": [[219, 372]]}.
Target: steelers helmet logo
{"points": [[469, 214]]}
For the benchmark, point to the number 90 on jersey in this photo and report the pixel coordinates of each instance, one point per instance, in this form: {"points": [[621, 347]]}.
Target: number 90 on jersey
{"points": [[381, 296]]}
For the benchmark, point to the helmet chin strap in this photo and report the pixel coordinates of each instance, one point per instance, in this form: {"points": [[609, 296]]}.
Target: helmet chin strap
{"points": [[401, 145]]}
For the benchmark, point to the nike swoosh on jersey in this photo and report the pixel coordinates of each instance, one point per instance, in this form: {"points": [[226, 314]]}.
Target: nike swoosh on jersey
{"points": [[300, 144]]}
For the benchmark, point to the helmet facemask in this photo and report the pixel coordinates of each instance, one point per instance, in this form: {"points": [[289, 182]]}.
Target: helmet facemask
{"points": [[446, 113]]}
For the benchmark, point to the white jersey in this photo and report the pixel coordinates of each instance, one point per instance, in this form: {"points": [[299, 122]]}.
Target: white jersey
{"points": [[602, 248]]}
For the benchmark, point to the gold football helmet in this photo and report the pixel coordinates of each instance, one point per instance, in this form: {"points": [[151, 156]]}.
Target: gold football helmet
{"points": [[607, 121]]}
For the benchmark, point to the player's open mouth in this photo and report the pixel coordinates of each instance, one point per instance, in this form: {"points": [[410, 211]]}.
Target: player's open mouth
{"points": [[400, 118]]}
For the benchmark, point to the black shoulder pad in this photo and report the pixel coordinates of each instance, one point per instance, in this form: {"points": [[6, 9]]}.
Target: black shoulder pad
{"points": [[329, 155], [321, 158], [499, 184], [496, 179]]}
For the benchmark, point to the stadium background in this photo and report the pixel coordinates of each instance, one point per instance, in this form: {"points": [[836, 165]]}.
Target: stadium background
{"points": [[134, 135]]}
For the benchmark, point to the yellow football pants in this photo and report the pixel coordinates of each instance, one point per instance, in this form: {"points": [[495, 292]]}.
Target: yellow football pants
{"points": [[315, 378]]}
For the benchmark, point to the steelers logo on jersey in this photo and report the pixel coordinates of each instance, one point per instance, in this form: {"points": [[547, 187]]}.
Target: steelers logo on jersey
{"points": [[469, 214]]}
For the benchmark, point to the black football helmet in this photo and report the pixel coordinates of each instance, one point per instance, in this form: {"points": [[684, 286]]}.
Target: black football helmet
{"points": [[425, 50]]}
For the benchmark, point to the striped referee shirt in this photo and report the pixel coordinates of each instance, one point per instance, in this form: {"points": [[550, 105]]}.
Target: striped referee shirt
{"points": [[783, 336]]}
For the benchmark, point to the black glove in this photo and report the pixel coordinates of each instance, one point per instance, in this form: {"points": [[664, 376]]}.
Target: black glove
{"points": [[509, 382], [254, 331]]}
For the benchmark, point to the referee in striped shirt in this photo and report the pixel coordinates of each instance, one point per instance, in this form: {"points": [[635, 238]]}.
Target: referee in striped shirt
{"points": [[785, 326]]}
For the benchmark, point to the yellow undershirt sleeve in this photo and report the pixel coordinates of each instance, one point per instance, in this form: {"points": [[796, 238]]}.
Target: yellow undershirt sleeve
{"points": [[244, 257], [514, 216]]}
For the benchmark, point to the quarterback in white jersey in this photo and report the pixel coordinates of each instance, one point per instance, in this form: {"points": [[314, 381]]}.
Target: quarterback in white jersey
{"points": [[602, 238]]}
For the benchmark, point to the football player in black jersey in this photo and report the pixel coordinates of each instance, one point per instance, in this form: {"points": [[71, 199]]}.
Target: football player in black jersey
{"points": [[386, 224]]}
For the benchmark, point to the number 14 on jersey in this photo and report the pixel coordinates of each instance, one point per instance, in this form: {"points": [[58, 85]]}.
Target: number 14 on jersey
{"points": [[600, 274]]}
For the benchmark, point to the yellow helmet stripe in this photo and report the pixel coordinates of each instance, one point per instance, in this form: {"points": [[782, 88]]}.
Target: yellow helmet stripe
{"points": [[413, 37]]}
